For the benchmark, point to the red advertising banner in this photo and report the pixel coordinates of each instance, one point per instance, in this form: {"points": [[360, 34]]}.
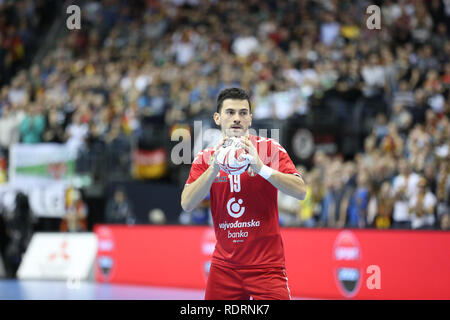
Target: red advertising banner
{"points": [[320, 263]]}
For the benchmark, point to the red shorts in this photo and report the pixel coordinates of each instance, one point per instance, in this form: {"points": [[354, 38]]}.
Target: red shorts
{"points": [[240, 284]]}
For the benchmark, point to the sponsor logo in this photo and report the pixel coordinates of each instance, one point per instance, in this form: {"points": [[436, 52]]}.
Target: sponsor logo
{"points": [[221, 179], [235, 208], [61, 253], [347, 263], [105, 245], [105, 265], [237, 224], [240, 234], [105, 253]]}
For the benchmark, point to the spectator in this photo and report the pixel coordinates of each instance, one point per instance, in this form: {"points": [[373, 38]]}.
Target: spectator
{"points": [[404, 96], [445, 222], [401, 118], [405, 185], [373, 75], [10, 121], [311, 205], [421, 207], [335, 203], [184, 46], [380, 127], [33, 125], [384, 207], [20, 228], [119, 209], [245, 44], [329, 29], [392, 143], [357, 207], [75, 219], [420, 107], [4, 238], [76, 133], [54, 131], [153, 104], [443, 189]]}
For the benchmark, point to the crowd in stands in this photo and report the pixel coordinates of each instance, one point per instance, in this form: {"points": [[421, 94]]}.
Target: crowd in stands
{"points": [[22, 23], [140, 64]]}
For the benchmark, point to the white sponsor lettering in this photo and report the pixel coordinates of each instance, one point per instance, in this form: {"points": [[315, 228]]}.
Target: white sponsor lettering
{"points": [[347, 274], [347, 253], [105, 245], [239, 234], [237, 224]]}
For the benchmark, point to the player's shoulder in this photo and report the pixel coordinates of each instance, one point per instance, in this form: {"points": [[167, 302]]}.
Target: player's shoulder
{"points": [[260, 140], [267, 141]]}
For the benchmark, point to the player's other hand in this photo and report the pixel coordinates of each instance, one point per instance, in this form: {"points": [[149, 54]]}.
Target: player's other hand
{"points": [[213, 159], [252, 154]]}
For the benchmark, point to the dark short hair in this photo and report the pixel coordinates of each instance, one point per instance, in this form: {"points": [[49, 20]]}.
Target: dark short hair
{"points": [[232, 93]]}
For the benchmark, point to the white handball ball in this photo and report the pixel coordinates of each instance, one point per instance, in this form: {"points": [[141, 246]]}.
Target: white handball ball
{"points": [[230, 157]]}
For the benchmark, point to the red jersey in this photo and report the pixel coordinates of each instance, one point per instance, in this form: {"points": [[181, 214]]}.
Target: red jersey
{"points": [[245, 209]]}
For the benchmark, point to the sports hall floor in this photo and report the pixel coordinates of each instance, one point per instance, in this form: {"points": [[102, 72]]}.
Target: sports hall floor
{"points": [[61, 290]]}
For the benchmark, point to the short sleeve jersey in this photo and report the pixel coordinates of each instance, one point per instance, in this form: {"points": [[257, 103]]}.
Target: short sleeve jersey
{"points": [[245, 210]]}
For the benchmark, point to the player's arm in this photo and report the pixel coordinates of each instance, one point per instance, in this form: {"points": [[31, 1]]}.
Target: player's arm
{"points": [[287, 183], [196, 191]]}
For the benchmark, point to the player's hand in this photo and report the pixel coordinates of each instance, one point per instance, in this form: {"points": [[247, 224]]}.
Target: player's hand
{"points": [[213, 159], [252, 154]]}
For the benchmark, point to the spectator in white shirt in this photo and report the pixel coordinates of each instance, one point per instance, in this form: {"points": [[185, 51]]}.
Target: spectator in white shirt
{"points": [[421, 207], [403, 189], [77, 133], [245, 44], [9, 126], [374, 76], [329, 30]]}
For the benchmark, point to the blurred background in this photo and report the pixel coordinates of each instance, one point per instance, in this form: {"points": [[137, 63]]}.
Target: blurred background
{"points": [[86, 116]]}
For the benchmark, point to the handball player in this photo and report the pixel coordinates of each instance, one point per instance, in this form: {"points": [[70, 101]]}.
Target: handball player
{"points": [[248, 260]]}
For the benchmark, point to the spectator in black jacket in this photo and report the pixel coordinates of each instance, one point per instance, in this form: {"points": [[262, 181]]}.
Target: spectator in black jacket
{"points": [[20, 230], [119, 209]]}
